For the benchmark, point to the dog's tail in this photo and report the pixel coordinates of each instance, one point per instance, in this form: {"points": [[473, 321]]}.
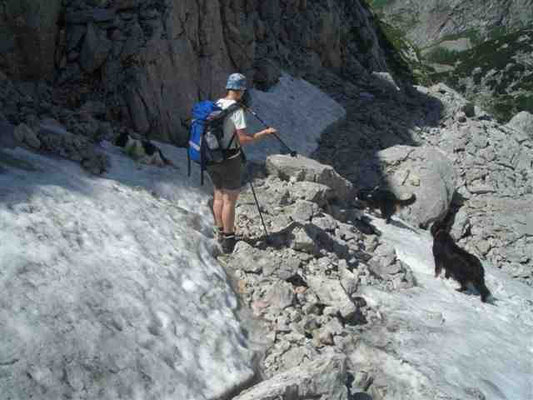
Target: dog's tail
{"points": [[407, 202]]}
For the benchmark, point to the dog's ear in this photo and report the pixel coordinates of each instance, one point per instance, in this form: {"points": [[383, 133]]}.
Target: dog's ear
{"points": [[436, 228]]}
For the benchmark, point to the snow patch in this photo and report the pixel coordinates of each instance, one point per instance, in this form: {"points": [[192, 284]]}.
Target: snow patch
{"points": [[298, 110], [461, 345]]}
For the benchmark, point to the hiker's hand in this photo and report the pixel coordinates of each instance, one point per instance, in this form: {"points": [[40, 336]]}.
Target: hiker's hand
{"points": [[270, 131]]}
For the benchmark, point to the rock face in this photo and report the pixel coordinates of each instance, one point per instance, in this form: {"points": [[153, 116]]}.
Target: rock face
{"points": [[28, 30], [156, 58], [428, 21]]}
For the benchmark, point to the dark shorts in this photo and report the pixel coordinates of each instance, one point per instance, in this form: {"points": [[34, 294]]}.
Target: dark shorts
{"points": [[227, 174]]}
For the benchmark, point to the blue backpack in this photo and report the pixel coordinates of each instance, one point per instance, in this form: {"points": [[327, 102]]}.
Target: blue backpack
{"points": [[206, 133]]}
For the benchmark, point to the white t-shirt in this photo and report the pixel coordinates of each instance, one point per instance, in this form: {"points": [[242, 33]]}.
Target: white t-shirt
{"points": [[235, 121]]}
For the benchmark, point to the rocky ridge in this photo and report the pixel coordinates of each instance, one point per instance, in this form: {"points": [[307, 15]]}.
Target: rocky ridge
{"points": [[302, 281], [482, 49], [428, 22]]}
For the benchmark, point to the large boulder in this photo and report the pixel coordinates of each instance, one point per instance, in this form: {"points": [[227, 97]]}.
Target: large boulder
{"points": [[304, 169], [424, 171], [522, 122], [324, 378]]}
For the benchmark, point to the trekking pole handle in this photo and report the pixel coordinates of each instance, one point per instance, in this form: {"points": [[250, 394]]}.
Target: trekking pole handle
{"points": [[292, 152]]}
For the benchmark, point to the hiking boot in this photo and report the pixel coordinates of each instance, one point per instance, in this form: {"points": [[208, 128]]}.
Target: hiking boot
{"points": [[228, 243]]}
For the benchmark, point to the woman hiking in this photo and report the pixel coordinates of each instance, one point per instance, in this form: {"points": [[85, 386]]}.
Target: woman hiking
{"points": [[226, 175]]}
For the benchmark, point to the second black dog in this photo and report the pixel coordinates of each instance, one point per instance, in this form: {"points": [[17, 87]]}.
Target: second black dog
{"points": [[385, 200], [458, 264]]}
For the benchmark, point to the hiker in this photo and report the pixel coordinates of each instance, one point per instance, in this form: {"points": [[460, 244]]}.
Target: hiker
{"points": [[226, 175]]}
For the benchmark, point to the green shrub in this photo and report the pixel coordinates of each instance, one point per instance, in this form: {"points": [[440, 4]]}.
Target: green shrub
{"points": [[441, 55]]}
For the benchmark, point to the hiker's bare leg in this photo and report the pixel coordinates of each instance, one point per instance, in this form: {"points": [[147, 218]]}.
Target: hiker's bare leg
{"points": [[218, 205], [228, 211]]}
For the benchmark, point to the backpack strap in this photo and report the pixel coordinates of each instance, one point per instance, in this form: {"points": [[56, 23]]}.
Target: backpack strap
{"points": [[188, 154], [228, 111]]}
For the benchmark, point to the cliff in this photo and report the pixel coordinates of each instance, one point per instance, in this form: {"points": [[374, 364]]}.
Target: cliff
{"points": [[149, 61]]}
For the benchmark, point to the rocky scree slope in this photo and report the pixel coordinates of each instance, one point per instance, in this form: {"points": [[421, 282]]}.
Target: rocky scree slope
{"points": [[336, 313], [301, 283]]}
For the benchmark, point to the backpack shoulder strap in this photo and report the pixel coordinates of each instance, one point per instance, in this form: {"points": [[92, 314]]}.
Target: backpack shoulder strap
{"points": [[227, 111], [231, 109]]}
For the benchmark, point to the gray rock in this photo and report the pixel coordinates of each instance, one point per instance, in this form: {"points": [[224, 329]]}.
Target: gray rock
{"points": [[424, 171], [51, 126], [323, 378], [331, 293], [325, 223], [386, 81], [305, 169], [23, 134], [315, 192], [303, 211], [248, 258], [95, 49], [280, 296], [522, 122], [349, 281], [302, 241], [281, 267]]}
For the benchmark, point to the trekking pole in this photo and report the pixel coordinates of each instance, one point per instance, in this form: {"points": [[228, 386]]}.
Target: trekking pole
{"points": [[292, 152], [259, 209], [255, 199]]}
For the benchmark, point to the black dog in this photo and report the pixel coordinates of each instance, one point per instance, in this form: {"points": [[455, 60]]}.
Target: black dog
{"points": [[142, 150], [385, 200], [458, 264]]}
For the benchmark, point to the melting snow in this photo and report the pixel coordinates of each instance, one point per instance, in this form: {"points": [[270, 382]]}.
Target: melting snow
{"points": [[456, 343]]}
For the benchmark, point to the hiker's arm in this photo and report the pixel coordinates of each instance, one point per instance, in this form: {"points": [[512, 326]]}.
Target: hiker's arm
{"points": [[245, 138]]}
